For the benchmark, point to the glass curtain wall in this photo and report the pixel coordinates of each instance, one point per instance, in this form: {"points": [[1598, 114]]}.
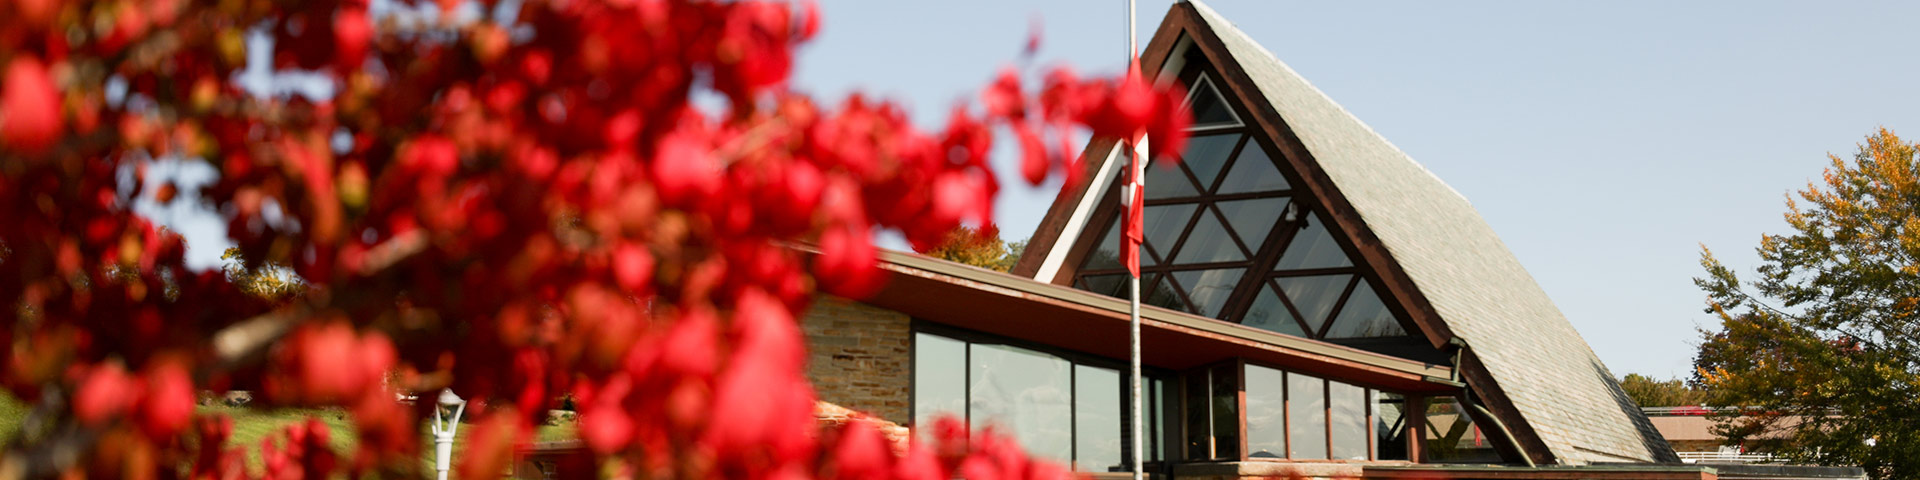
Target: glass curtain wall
{"points": [[1452, 436], [1229, 236], [1303, 417], [1059, 408], [1390, 426], [1213, 412]]}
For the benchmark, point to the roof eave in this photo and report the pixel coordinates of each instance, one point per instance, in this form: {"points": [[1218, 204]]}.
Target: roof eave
{"points": [[964, 296]]}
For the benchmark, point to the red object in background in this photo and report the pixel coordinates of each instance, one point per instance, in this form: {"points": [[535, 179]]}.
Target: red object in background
{"points": [[1134, 233]]}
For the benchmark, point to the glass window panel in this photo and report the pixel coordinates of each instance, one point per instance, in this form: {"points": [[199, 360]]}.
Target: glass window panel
{"points": [[1163, 224], [1160, 294], [1205, 156], [1209, 107], [939, 379], [1226, 410], [1452, 436], [1096, 419], [1348, 419], [1253, 171], [1307, 416], [1026, 393], [1390, 426], [1253, 219], [1209, 289], [1208, 243], [1109, 285], [1313, 247], [1106, 254], [1268, 313], [1266, 413], [1365, 316], [1165, 180], [1199, 424], [1314, 296]]}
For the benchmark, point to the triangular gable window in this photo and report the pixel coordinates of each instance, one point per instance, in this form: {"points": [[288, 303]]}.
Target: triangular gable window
{"points": [[1227, 238], [1210, 109]]}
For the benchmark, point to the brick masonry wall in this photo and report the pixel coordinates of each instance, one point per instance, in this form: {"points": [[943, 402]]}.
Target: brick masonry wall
{"points": [[860, 357]]}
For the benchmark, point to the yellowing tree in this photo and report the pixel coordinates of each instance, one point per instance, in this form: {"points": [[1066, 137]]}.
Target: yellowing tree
{"points": [[1826, 344], [980, 247]]}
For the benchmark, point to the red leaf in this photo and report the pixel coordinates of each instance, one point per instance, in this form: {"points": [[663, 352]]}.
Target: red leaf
{"points": [[352, 31], [1003, 98], [919, 464], [633, 268], [32, 120], [862, 454], [1033, 154], [684, 169], [1033, 37], [762, 388], [490, 447], [810, 19], [105, 392], [1167, 133], [846, 264], [691, 346], [168, 404], [604, 423]]}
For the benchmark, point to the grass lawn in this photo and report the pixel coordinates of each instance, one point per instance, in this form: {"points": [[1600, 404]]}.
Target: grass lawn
{"points": [[251, 425]]}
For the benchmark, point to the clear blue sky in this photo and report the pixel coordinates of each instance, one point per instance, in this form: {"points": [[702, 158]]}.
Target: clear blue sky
{"points": [[1605, 141]]}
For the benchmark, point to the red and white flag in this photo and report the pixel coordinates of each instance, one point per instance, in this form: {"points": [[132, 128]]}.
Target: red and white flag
{"points": [[1133, 233]]}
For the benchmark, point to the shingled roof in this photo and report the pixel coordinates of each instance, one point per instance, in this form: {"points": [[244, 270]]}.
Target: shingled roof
{"points": [[1525, 358]]}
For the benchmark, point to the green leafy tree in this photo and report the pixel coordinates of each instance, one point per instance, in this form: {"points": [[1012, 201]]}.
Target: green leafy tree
{"points": [[1647, 392], [1822, 352]]}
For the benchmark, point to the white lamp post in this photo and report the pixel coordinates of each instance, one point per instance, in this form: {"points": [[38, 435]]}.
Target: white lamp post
{"points": [[443, 432]]}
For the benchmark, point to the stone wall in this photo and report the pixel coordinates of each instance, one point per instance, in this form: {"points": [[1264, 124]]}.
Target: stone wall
{"points": [[861, 357]]}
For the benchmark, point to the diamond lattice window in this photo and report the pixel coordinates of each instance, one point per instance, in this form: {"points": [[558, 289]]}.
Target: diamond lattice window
{"points": [[1227, 237]]}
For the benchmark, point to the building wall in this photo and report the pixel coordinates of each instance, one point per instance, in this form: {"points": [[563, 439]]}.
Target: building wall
{"points": [[1696, 445], [1270, 470], [861, 357]]}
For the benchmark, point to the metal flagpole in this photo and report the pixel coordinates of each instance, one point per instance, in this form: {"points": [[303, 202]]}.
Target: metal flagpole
{"points": [[1139, 443]]}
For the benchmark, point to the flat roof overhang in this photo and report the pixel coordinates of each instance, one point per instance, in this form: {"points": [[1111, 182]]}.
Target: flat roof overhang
{"points": [[983, 300]]}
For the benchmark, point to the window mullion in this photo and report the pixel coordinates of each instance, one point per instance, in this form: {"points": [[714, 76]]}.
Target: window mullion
{"points": [[1339, 305]]}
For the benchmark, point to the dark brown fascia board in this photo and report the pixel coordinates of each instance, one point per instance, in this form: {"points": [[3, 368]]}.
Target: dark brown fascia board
{"points": [[979, 278], [1497, 403]]}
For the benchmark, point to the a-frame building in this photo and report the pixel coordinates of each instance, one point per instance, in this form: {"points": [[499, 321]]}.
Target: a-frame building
{"points": [[1311, 224], [1320, 304]]}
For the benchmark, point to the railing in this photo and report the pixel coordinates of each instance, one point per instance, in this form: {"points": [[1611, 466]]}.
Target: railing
{"points": [[1725, 457], [1682, 410]]}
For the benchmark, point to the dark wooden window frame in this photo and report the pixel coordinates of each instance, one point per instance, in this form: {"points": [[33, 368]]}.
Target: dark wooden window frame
{"points": [[1205, 373], [1416, 434], [970, 337]]}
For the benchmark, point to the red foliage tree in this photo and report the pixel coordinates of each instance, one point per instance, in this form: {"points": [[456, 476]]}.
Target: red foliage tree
{"points": [[518, 206]]}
